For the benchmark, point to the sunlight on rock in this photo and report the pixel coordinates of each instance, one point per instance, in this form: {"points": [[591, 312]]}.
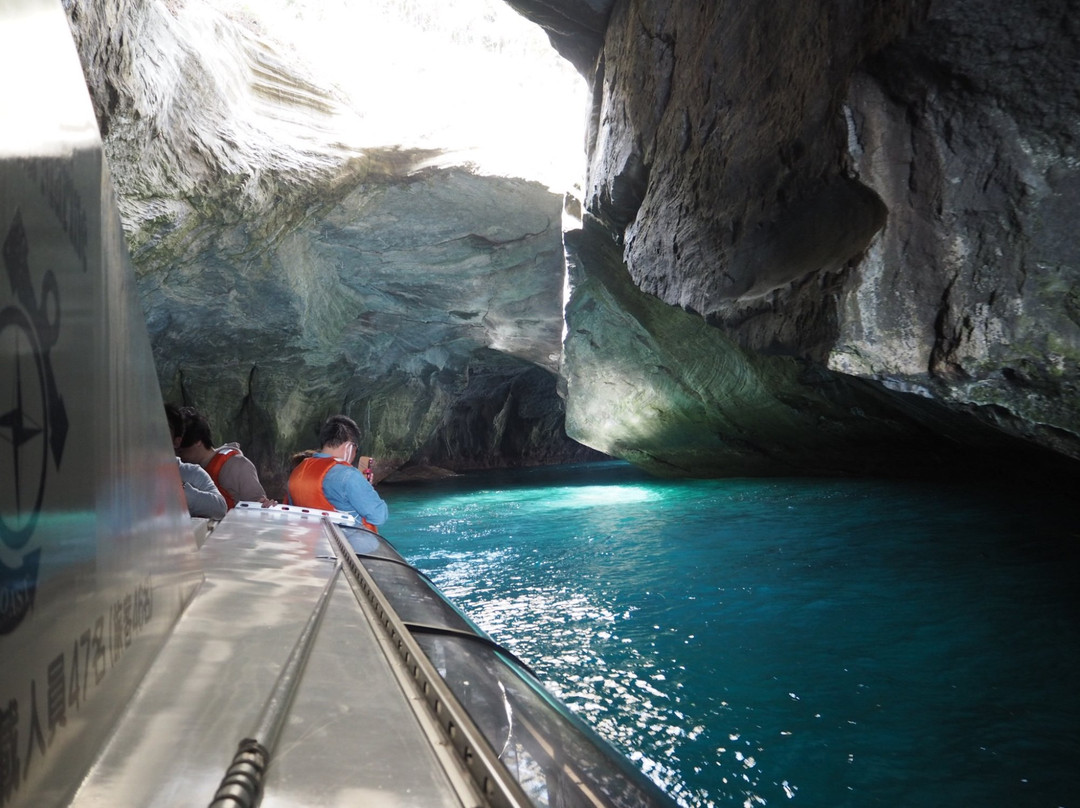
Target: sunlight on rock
{"points": [[473, 79]]}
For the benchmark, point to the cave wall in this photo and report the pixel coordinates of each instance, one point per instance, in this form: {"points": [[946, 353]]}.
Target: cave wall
{"points": [[879, 194], [967, 128], [289, 272], [826, 237]]}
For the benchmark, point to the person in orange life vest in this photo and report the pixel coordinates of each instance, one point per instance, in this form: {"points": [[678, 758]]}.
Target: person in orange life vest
{"points": [[329, 478], [234, 475]]}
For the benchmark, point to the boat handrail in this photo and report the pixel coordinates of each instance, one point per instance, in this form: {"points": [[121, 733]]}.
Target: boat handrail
{"points": [[242, 785], [473, 752], [558, 761]]}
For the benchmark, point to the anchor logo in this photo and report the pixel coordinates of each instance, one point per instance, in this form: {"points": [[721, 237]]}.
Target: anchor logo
{"points": [[33, 421]]}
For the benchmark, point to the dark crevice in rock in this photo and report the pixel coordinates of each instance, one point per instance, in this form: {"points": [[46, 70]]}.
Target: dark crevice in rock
{"points": [[503, 414], [575, 28]]}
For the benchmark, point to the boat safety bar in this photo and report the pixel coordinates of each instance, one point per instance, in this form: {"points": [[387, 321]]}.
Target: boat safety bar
{"points": [[496, 785], [242, 785], [420, 628], [521, 747]]}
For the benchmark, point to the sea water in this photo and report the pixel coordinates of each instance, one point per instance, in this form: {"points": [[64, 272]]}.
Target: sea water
{"points": [[773, 642]]}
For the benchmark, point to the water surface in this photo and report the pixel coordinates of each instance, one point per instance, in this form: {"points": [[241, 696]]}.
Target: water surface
{"points": [[748, 642]]}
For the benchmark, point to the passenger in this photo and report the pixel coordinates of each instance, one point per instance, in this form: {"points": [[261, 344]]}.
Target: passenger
{"points": [[234, 475], [203, 498], [365, 464], [330, 480], [299, 457]]}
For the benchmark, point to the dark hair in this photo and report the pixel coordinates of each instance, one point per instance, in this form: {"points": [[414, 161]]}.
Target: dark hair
{"points": [[196, 429], [176, 420], [300, 457], [339, 429]]}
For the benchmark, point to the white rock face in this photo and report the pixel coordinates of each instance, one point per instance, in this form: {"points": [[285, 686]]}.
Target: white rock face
{"points": [[289, 273]]}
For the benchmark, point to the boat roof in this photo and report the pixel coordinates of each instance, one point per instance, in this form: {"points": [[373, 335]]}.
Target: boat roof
{"points": [[353, 735]]}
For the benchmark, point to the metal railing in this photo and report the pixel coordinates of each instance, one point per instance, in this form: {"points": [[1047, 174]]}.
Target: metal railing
{"points": [[520, 746]]}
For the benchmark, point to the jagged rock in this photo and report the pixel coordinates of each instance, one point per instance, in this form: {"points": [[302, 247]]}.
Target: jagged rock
{"points": [[660, 387], [816, 236], [504, 411], [882, 191], [575, 28], [968, 129], [383, 306], [288, 275]]}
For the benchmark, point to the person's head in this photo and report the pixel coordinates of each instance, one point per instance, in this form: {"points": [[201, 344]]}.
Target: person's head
{"points": [[338, 431], [300, 457], [196, 429], [176, 424]]}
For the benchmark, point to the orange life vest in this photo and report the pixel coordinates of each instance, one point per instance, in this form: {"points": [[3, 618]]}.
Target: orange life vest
{"points": [[306, 485], [213, 468]]}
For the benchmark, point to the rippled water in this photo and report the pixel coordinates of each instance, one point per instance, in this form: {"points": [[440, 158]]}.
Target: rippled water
{"points": [[818, 643]]}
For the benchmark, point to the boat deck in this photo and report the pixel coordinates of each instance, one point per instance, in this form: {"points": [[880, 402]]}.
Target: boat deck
{"points": [[353, 736]]}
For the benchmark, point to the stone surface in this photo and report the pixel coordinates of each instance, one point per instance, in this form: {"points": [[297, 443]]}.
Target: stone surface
{"points": [[968, 129], [881, 191], [818, 238], [575, 27], [288, 275], [384, 306], [660, 387]]}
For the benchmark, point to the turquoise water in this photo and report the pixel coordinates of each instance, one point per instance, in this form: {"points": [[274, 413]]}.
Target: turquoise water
{"points": [[803, 642]]}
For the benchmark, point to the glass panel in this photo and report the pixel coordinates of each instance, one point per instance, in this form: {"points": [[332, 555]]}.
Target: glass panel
{"points": [[557, 759], [413, 598]]}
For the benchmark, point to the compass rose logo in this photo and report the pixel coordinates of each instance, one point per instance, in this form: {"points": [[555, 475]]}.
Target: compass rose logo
{"points": [[33, 422]]}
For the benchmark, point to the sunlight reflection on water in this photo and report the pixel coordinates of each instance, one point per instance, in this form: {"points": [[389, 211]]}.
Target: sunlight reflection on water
{"points": [[749, 642], [558, 628], [541, 501]]}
